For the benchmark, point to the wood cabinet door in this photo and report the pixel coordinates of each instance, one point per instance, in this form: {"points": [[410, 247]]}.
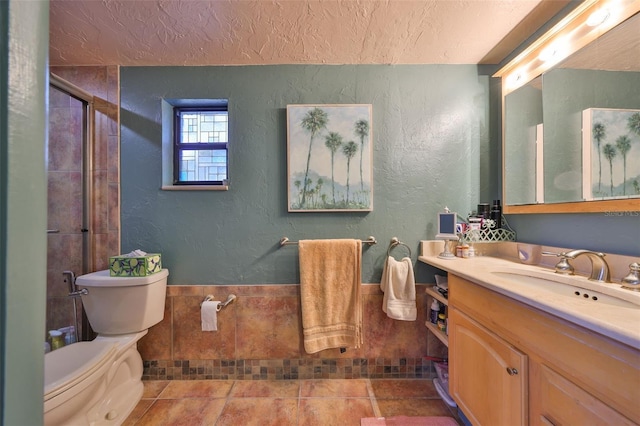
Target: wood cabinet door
{"points": [[487, 376], [557, 401]]}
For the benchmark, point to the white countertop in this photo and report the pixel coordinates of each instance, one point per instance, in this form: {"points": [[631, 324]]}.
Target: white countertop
{"points": [[621, 323]]}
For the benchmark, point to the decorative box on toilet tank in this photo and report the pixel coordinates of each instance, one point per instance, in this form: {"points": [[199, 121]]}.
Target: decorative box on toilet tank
{"points": [[138, 266]]}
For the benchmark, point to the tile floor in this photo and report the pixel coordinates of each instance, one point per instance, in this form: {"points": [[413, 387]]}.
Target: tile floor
{"points": [[284, 402]]}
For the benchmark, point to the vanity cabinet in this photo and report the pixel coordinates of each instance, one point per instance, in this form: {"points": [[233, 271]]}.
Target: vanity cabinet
{"points": [[513, 364], [481, 360]]}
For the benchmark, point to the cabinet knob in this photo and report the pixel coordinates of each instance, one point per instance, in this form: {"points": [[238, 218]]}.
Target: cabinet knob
{"points": [[512, 371]]}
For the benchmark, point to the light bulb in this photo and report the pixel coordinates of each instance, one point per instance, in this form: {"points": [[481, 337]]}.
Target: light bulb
{"points": [[598, 17]]}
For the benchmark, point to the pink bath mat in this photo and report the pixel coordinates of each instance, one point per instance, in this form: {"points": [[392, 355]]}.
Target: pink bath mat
{"points": [[408, 421]]}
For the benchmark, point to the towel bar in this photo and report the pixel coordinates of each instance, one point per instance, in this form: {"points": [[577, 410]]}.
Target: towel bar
{"points": [[284, 241]]}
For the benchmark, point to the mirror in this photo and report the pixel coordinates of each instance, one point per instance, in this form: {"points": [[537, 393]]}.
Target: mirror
{"points": [[550, 164], [523, 161]]}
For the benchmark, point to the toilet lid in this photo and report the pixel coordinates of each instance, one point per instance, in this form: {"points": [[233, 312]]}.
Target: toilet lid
{"points": [[71, 364]]}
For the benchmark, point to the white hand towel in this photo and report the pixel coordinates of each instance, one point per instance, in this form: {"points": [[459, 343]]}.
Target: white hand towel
{"points": [[209, 314], [399, 287]]}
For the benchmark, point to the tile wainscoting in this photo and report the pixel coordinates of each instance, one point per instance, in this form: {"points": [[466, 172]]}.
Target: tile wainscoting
{"points": [[259, 337]]}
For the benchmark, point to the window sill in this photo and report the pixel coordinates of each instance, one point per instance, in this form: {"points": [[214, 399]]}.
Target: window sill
{"points": [[195, 187]]}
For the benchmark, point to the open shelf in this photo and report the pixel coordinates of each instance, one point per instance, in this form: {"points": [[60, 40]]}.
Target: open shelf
{"points": [[439, 334], [431, 291]]}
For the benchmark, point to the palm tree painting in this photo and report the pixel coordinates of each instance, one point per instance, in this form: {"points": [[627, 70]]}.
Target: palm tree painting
{"points": [[623, 143], [322, 140], [333, 142], [599, 133], [349, 151], [611, 137], [362, 130], [610, 153]]}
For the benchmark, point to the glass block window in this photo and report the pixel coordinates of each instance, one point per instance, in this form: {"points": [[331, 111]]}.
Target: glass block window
{"points": [[201, 146]]}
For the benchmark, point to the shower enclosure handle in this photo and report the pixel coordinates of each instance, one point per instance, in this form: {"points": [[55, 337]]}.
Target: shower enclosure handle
{"points": [[70, 278]]}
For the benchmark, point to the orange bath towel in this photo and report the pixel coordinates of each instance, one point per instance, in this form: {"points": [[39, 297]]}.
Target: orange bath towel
{"points": [[330, 293]]}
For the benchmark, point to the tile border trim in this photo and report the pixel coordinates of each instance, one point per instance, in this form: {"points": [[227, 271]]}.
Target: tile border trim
{"points": [[288, 369]]}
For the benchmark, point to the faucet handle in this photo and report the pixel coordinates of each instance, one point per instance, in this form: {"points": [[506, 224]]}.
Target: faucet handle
{"points": [[563, 266], [632, 281], [552, 253]]}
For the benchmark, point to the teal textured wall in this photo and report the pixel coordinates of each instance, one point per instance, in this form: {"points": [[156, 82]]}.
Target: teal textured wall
{"points": [[23, 200], [432, 126], [609, 232]]}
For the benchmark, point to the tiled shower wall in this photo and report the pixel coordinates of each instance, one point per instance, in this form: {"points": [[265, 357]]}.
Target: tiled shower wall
{"points": [[65, 183], [260, 337]]}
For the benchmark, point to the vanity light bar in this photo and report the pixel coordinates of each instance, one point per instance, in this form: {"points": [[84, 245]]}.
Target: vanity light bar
{"points": [[556, 51], [577, 29], [598, 17]]}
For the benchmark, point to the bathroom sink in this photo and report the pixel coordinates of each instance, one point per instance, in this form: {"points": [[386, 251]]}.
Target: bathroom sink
{"points": [[569, 288]]}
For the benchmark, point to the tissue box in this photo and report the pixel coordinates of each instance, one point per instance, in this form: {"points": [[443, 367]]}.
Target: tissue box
{"points": [[125, 266]]}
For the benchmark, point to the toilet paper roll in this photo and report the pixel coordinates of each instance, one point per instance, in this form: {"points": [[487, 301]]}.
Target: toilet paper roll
{"points": [[209, 315]]}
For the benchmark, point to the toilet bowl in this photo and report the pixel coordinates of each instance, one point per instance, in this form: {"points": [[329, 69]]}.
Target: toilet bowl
{"points": [[99, 382]]}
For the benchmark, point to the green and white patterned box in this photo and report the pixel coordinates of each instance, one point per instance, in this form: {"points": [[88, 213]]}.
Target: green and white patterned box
{"points": [[125, 266]]}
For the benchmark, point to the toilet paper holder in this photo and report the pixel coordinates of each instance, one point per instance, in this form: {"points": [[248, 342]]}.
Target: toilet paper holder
{"points": [[224, 304]]}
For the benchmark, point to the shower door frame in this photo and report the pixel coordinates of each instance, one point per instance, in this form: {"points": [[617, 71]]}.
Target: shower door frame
{"points": [[88, 143], [88, 116]]}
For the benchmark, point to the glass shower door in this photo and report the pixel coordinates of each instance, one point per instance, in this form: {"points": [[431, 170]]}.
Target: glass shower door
{"points": [[67, 207]]}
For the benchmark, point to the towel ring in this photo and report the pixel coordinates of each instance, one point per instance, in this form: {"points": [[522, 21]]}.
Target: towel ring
{"points": [[396, 242]]}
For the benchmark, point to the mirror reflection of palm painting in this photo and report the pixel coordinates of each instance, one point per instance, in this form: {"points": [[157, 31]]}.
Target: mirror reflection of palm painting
{"points": [[611, 153], [329, 158]]}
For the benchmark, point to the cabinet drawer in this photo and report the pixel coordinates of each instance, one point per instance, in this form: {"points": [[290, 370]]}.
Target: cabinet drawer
{"points": [[557, 401]]}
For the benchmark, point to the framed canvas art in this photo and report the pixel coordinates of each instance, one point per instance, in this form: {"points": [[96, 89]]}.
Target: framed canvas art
{"points": [[329, 158], [610, 153]]}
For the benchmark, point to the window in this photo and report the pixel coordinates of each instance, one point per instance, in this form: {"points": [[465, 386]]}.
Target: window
{"points": [[200, 153]]}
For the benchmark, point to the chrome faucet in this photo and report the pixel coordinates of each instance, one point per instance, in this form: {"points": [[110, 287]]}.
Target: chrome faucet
{"points": [[599, 267]]}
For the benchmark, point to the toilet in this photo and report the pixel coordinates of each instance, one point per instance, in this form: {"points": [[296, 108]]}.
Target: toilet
{"points": [[100, 382]]}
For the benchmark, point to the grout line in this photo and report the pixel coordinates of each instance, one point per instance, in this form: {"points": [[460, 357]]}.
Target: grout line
{"points": [[299, 399], [172, 331], [374, 401]]}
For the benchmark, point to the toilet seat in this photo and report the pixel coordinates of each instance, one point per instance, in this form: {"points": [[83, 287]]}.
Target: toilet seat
{"points": [[70, 365]]}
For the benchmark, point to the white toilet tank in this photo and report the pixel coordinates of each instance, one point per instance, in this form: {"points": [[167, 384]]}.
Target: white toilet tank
{"points": [[123, 305]]}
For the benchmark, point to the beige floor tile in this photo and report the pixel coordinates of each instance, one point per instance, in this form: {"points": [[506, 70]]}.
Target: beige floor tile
{"points": [[211, 412], [178, 412], [334, 411], [262, 389], [403, 388], [354, 388], [313, 402], [153, 388], [259, 412], [141, 407], [412, 407], [196, 389]]}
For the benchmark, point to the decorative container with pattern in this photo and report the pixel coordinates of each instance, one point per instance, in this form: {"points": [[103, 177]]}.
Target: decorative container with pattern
{"points": [[125, 266]]}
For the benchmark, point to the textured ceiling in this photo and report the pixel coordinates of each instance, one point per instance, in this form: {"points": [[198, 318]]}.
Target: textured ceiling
{"points": [[242, 32]]}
